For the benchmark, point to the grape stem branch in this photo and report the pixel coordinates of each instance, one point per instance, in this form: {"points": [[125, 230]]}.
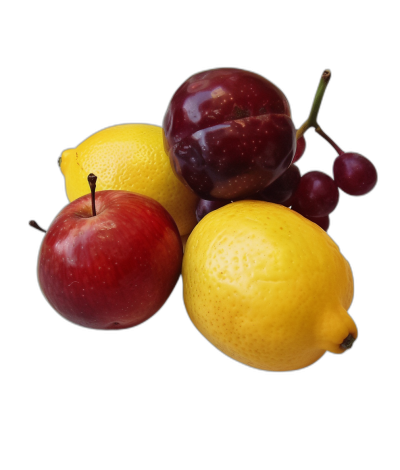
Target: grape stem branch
{"points": [[311, 121]]}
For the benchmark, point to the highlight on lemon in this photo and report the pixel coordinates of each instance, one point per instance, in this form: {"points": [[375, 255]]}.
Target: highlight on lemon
{"points": [[130, 157]]}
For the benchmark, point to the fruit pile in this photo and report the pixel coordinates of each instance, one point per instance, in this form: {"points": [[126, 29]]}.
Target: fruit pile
{"points": [[250, 121], [261, 280]]}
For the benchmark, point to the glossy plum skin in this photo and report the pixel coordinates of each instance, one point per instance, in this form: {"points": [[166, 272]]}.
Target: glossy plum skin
{"points": [[228, 133]]}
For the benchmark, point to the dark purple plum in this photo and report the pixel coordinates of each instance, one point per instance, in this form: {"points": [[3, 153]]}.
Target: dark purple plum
{"points": [[228, 133]]}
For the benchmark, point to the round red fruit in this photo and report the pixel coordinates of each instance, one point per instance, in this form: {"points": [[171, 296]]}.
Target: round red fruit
{"points": [[228, 133], [354, 174], [316, 196], [112, 270]]}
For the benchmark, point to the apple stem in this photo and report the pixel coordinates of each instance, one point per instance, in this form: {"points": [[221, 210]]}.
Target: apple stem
{"points": [[92, 183], [311, 121], [34, 224]]}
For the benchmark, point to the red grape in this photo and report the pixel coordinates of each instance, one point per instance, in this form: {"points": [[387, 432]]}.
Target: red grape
{"points": [[228, 133], [316, 196], [300, 148], [282, 189], [323, 222], [354, 174]]}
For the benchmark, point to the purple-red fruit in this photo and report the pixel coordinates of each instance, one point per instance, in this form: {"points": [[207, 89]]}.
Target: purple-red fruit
{"points": [[204, 207], [354, 174], [228, 133], [300, 149], [281, 190], [316, 196], [323, 222]]}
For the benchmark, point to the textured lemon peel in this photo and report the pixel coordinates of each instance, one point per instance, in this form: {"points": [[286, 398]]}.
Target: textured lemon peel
{"points": [[130, 157], [209, 297]]}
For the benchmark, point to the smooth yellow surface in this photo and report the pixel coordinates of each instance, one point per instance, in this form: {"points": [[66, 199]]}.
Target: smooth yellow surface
{"points": [[266, 286], [130, 157]]}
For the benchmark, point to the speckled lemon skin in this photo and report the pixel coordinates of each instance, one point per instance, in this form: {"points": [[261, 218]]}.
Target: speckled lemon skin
{"points": [[266, 286], [130, 157]]}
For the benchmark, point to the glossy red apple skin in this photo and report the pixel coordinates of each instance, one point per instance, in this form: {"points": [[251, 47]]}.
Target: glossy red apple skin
{"points": [[114, 270], [228, 133]]}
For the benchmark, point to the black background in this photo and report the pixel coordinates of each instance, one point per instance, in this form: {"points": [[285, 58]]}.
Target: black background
{"points": [[65, 93]]}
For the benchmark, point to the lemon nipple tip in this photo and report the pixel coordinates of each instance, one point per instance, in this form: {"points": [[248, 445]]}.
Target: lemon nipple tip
{"points": [[348, 342]]}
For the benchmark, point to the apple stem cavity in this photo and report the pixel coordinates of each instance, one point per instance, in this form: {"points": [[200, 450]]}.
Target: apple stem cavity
{"points": [[35, 225], [311, 121], [92, 183]]}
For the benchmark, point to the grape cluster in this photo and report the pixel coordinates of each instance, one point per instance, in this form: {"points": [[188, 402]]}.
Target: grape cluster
{"points": [[315, 194]]}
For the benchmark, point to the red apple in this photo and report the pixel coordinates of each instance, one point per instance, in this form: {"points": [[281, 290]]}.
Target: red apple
{"points": [[112, 270]]}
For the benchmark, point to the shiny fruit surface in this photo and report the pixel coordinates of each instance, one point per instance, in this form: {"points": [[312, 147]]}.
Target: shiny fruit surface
{"points": [[204, 207], [113, 270], [283, 188], [354, 174], [300, 148], [228, 133], [266, 286], [317, 195], [278, 192]]}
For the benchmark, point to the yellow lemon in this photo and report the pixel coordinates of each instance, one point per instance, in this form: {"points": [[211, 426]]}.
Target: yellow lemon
{"points": [[267, 287], [130, 157]]}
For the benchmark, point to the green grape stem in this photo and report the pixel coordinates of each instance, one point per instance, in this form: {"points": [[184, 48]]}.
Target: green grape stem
{"points": [[311, 121]]}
